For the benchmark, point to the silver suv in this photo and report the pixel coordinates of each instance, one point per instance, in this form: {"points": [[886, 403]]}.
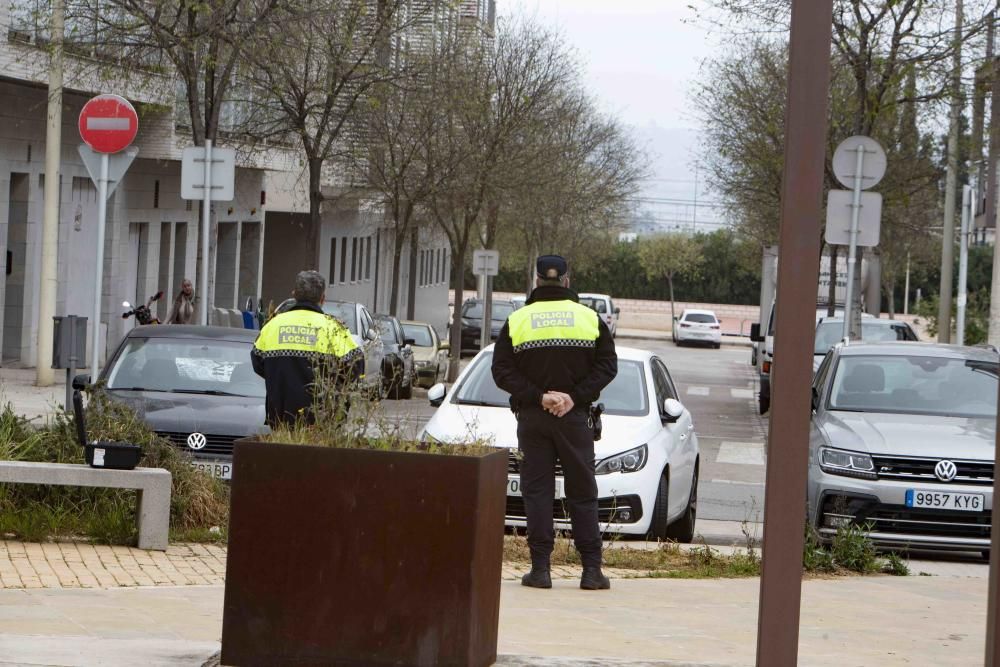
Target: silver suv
{"points": [[902, 444]]}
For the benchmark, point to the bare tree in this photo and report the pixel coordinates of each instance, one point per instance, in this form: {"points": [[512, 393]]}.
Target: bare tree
{"points": [[312, 71]]}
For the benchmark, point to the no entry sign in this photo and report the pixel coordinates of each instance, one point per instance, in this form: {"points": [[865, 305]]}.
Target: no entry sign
{"points": [[108, 123]]}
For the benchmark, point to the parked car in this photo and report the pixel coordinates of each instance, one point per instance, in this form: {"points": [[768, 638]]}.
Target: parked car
{"points": [[830, 330], [472, 321], [518, 301], [902, 444], [646, 462], [430, 353], [697, 326], [193, 385], [603, 306], [365, 333], [398, 372]]}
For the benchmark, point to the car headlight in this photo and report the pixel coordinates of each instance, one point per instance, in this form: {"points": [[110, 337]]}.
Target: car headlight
{"points": [[424, 364], [631, 461], [851, 464]]}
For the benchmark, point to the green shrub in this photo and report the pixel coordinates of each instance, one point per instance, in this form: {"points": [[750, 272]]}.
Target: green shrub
{"points": [[36, 512]]}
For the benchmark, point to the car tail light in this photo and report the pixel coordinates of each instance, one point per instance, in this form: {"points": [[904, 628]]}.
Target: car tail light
{"points": [[685, 325], [766, 367], [715, 326]]}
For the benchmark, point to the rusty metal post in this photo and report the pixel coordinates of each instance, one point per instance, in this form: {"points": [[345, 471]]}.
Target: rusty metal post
{"points": [[798, 269]]}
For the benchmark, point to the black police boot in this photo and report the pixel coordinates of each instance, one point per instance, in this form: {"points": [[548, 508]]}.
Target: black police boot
{"points": [[594, 580], [539, 577]]}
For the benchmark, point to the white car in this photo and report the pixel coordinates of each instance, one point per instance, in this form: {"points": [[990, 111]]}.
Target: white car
{"points": [[647, 458], [518, 301], [604, 307], [698, 326]]}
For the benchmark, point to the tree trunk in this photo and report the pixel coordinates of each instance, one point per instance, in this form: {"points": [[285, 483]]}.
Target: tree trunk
{"points": [[315, 213], [414, 267], [831, 306], [890, 295], [398, 240], [670, 285], [458, 283]]}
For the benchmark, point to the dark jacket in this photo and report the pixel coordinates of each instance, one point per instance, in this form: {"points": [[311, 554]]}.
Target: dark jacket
{"points": [[581, 371], [289, 352]]}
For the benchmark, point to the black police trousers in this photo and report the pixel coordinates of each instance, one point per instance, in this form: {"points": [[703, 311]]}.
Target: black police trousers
{"points": [[543, 438]]}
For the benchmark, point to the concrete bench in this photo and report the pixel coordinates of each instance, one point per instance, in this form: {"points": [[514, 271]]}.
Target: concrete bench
{"points": [[153, 486]]}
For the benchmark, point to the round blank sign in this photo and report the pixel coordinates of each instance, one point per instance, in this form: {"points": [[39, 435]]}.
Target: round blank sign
{"points": [[845, 160]]}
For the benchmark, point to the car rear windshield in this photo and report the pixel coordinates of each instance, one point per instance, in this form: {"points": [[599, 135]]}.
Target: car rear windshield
{"points": [[186, 365], [345, 312], [626, 395], [828, 333], [500, 312], [598, 305], [700, 318], [421, 334], [919, 385]]}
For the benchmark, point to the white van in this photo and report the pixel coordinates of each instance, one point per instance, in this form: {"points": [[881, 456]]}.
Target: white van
{"points": [[604, 307]]}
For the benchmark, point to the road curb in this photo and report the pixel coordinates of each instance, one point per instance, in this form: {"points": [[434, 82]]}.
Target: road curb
{"points": [[659, 336]]}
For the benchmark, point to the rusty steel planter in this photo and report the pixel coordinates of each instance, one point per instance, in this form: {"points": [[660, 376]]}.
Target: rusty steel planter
{"points": [[358, 557]]}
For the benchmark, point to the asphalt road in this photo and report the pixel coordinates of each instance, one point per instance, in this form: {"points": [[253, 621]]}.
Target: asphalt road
{"points": [[718, 387]]}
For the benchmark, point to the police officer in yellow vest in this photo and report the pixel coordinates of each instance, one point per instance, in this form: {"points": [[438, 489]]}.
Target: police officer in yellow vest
{"points": [[554, 356], [296, 344]]}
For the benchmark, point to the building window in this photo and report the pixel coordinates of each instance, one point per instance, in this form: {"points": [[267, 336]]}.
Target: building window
{"points": [[333, 260], [354, 258], [439, 265], [343, 259], [368, 258]]}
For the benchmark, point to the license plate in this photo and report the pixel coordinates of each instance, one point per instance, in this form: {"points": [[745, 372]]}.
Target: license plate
{"points": [[215, 469], [514, 486], [939, 500]]}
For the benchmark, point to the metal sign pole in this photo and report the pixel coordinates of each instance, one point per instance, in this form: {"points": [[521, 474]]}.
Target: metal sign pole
{"points": [[486, 333], [206, 217], [852, 256], [963, 266], [102, 212]]}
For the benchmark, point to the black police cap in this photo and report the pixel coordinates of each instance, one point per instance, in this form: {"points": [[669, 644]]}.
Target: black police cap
{"points": [[551, 267]]}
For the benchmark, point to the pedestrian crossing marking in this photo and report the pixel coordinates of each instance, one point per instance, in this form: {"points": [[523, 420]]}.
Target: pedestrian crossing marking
{"points": [[741, 393], [741, 453], [699, 391]]}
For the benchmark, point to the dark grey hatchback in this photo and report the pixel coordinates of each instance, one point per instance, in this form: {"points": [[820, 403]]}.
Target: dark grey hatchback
{"points": [[193, 385]]}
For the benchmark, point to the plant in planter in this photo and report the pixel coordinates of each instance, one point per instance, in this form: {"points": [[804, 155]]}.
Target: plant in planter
{"points": [[350, 545]]}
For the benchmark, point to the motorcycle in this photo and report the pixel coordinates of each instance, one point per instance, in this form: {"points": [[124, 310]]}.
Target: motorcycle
{"points": [[143, 314]]}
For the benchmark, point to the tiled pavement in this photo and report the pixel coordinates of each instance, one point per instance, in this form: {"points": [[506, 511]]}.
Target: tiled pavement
{"points": [[85, 565]]}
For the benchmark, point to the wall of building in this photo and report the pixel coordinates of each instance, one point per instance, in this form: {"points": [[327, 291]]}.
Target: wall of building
{"points": [[151, 238]]}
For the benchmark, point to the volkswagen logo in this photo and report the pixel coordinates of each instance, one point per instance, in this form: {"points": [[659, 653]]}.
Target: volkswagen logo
{"points": [[945, 470], [198, 441]]}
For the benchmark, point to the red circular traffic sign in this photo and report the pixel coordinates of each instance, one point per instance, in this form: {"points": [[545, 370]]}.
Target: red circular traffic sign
{"points": [[108, 123]]}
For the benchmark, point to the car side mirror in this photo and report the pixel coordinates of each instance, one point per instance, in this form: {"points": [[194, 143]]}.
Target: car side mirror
{"points": [[445, 345], [371, 335], [672, 410], [81, 382], [815, 399], [437, 394], [618, 310], [126, 304], [755, 333]]}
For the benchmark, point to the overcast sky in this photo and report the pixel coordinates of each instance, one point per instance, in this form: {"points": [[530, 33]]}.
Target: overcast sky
{"points": [[640, 59], [641, 55]]}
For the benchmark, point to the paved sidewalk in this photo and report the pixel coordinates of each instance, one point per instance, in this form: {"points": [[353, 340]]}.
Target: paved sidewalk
{"points": [[862, 621], [17, 387]]}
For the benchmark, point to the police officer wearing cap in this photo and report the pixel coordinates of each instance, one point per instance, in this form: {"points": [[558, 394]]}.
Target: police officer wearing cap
{"points": [[554, 356]]}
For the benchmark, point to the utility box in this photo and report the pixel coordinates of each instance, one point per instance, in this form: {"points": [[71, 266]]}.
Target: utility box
{"points": [[69, 342]]}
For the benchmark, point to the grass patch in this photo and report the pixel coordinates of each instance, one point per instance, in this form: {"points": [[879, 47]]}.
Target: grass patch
{"points": [[36, 512], [666, 560], [849, 552]]}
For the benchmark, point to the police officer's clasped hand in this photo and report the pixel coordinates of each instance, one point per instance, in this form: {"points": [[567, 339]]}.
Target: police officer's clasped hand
{"points": [[557, 403]]}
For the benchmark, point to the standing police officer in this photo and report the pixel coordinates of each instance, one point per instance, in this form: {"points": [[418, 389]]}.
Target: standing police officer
{"points": [[554, 356], [297, 343]]}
